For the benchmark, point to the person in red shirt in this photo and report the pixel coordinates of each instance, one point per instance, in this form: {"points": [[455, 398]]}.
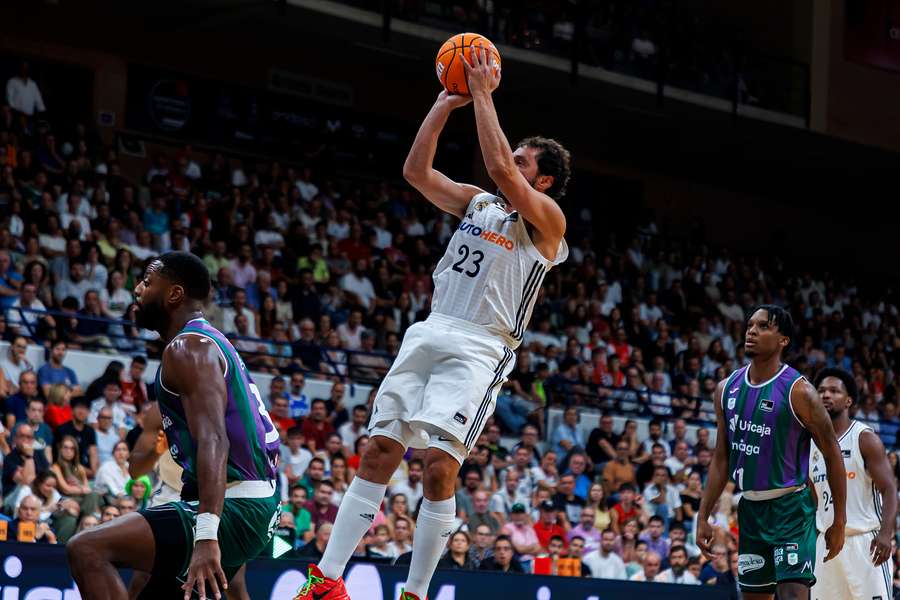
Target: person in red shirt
{"points": [[316, 427], [626, 508], [547, 527], [280, 418], [134, 390]]}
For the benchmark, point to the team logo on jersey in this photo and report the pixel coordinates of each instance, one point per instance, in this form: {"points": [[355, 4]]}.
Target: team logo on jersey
{"points": [[482, 204], [766, 405], [750, 562], [792, 558], [731, 402], [487, 235]]}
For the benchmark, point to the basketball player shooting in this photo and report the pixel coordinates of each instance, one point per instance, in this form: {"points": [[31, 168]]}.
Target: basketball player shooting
{"points": [[218, 430], [443, 385]]}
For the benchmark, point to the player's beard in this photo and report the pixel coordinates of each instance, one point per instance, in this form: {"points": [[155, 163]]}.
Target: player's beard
{"points": [[150, 316]]}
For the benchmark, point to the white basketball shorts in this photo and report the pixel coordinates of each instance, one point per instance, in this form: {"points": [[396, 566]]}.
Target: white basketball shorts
{"points": [[850, 575], [443, 386]]}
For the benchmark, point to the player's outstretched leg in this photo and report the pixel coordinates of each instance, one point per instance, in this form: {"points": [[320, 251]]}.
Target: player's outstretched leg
{"points": [[355, 515], [435, 523], [94, 554]]}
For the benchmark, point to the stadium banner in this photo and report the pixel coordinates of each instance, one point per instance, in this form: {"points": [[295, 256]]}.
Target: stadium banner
{"points": [[39, 572]]}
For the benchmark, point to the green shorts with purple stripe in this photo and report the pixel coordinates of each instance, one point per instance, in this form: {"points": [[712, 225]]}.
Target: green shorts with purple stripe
{"points": [[776, 542]]}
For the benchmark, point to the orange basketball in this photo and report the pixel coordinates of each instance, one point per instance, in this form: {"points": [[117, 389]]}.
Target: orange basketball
{"points": [[449, 64]]}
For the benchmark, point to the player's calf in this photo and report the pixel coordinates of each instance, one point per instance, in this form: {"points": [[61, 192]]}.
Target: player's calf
{"points": [[382, 456]]}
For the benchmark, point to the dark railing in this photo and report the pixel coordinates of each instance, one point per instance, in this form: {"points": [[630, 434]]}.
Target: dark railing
{"points": [[714, 65], [122, 337]]}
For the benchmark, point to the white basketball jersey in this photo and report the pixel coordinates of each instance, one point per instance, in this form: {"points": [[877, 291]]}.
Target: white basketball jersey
{"points": [[863, 500], [491, 271]]}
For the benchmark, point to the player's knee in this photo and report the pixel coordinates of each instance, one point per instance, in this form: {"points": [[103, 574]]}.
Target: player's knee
{"points": [[381, 459], [82, 551], [440, 475]]}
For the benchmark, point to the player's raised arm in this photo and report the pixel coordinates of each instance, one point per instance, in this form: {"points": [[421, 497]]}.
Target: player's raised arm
{"points": [[144, 455], [535, 206], [717, 477], [439, 189], [195, 363], [879, 469], [812, 414]]}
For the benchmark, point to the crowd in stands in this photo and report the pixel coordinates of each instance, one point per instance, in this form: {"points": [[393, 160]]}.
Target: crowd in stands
{"points": [[654, 39], [317, 276]]}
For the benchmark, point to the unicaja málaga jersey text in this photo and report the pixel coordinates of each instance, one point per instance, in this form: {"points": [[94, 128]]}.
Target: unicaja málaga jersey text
{"points": [[768, 447], [863, 500], [253, 439], [491, 272]]}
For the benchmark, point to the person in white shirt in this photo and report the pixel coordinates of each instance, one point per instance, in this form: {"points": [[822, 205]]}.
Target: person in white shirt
{"points": [[383, 237], [412, 486], [107, 436], [353, 429], [239, 306], [23, 94], [26, 323], [358, 284], [677, 571], [661, 498], [295, 458], [113, 474], [605, 563], [650, 571], [110, 399], [308, 190], [15, 363]]}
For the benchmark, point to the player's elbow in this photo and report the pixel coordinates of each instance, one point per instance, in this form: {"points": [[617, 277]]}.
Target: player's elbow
{"points": [[413, 174], [501, 173]]}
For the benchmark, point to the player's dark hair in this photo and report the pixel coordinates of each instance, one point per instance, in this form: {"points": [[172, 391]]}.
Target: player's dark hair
{"points": [[554, 160], [782, 319], [188, 271], [845, 377]]}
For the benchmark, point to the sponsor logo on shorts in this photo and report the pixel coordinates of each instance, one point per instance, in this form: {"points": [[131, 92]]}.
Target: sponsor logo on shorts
{"points": [[460, 418], [368, 516], [750, 562], [792, 558], [779, 556], [791, 547], [443, 439]]}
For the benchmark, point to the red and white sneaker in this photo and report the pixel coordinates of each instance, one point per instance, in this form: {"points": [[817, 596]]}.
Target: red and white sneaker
{"points": [[319, 587], [404, 595]]}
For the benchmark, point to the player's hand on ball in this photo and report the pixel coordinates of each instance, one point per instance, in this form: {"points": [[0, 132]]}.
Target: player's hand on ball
{"points": [[705, 537], [482, 73], [834, 541], [453, 101], [880, 549], [206, 567]]}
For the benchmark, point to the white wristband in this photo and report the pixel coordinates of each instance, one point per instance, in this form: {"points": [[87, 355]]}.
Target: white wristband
{"points": [[207, 527]]}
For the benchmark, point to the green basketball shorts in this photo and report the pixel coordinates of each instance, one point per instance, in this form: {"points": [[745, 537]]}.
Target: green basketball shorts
{"points": [[777, 541], [246, 525]]}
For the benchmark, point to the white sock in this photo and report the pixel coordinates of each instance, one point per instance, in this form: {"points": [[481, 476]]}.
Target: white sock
{"points": [[433, 529], [355, 515]]}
